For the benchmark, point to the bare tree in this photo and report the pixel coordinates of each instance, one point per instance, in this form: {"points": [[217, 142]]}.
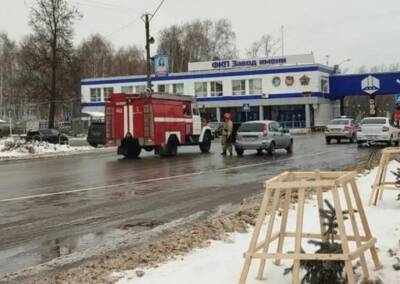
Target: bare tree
{"points": [[197, 41], [128, 61], [8, 68], [266, 46], [96, 56], [52, 23]]}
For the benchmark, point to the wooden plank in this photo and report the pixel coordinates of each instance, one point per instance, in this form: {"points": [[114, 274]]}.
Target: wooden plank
{"points": [[364, 222], [256, 234], [299, 231], [320, 202], [342, 234], [262, 244], [270, 226], [355, 229], [302, 184], [318, 236], [346, 177], [285, 214], [281, 177], [301, 256], [361, 249]]}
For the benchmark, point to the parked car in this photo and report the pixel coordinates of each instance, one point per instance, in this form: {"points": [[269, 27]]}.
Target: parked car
{"points": [[4, 128], [216, 128], [378, 130], [96, 134], [341, 128], [49, 135], [262, 135]]}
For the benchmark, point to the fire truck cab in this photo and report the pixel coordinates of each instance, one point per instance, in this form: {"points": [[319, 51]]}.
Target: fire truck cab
{"points": [[159, 122]]}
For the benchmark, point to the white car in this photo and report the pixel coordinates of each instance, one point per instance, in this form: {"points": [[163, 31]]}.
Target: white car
{"points": [[377, 130]]}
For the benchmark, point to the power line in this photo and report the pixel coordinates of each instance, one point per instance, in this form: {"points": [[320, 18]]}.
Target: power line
{"points": [[156, 10]]}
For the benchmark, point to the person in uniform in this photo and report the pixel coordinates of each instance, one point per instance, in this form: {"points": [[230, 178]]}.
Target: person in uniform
{"points": [[226, 137]]}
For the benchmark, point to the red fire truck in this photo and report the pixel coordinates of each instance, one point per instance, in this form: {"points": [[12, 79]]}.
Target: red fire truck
{"points": [[159, 122]]}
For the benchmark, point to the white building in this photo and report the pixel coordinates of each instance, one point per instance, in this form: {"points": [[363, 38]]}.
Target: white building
{"points": [[291, 89]]}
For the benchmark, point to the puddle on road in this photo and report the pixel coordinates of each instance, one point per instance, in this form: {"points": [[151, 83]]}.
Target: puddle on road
{"points": [[36, 252]]}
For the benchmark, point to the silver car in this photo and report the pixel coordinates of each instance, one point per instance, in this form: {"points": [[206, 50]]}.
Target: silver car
{"points": [[341, 128], [262, 135]]}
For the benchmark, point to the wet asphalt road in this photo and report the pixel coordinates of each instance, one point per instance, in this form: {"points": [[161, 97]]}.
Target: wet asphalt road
{"points": [[83, 199]]}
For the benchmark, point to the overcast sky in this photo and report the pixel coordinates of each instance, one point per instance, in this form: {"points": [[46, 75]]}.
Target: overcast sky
{"points": [[366, 31]]}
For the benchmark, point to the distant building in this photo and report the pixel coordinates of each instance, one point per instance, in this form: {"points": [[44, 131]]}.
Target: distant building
{"points": [[293, 89]]}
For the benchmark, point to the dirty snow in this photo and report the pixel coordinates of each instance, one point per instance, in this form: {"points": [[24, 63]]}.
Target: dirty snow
{"points": [[16, 147], [222, 261]]}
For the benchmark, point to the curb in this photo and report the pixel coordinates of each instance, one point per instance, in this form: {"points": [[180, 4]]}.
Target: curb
{"points": [[56, 155]]}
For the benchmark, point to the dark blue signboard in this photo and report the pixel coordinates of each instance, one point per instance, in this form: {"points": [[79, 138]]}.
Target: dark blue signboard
{"points": [[364, 84]]}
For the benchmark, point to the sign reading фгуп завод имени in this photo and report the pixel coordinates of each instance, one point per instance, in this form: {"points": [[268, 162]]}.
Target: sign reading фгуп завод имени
{"points": [[261, 62]]}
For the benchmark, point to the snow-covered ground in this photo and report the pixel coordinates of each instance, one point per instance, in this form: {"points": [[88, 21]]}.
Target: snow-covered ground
{"points": [[222, 261], [15, 147]]}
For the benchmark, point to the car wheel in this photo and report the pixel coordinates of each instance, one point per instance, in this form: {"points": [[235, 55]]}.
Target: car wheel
{"points": [[289, 148], [271, 149], [239, 151], [396, 143], [338, 140], [259, 151], [93, 145], [360, 143], [328, 140]]}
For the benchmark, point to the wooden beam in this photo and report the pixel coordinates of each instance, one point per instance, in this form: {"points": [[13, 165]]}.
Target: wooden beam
{"points": [[300, 256]]}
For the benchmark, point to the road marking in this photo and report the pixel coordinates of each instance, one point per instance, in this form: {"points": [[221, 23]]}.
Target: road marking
{"points": [[103, 187]]}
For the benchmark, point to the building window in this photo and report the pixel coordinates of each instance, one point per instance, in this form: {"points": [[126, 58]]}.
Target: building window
{"points": [[255, 86], [200, 89], [127, 89], [163, 88], [216, 88], [108, 92], [324, 85], [95, 95], [140, 89], [178, 89], [239, 87]]}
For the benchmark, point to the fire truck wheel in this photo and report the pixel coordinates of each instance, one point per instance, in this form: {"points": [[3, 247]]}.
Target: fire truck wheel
{"points": [[206, 144], [133, 149], [171, 148]]}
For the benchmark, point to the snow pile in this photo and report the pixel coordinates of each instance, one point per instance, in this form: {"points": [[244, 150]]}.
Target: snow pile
{"points": [[222, 261], [17, 147]]}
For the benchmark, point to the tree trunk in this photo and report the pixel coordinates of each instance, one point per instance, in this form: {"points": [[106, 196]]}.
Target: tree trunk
{"points": [[53, 90]]}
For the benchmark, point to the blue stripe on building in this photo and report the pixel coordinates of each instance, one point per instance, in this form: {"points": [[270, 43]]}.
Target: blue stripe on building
{"points": [[194, 75], [234, 98]]}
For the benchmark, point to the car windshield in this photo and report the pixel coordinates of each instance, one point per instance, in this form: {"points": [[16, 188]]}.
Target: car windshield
{"points": [[339, 122], [373, 121], [251, 127]]}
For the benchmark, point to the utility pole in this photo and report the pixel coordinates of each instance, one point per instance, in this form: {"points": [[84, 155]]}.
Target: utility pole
{"points": [[149, 40]]}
